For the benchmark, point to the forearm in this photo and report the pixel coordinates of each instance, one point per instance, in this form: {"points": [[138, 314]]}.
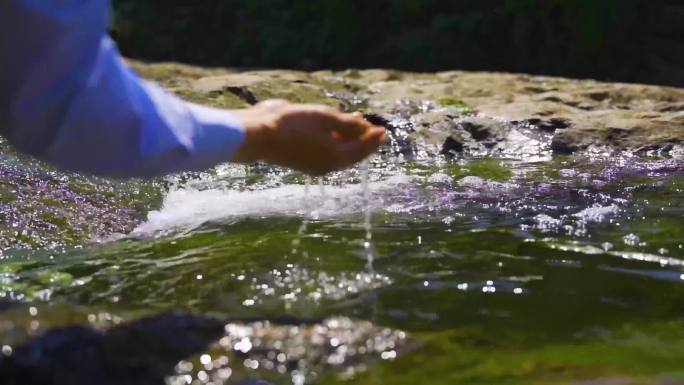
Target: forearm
{"points": [[67, 97], [73, 102]]}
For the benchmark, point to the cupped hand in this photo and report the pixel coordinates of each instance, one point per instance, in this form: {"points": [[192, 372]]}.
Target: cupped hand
{"points": [[314, 139]]}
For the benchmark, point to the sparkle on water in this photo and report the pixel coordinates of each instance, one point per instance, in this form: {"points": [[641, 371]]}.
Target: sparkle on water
{"points": [[412, 268]]}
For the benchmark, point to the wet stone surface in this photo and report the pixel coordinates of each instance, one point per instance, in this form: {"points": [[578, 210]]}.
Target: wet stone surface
{"points": [[578, 114], [46, 209]]}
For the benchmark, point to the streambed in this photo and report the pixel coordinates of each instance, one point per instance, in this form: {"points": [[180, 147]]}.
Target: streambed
{"points": [[499, 264]]}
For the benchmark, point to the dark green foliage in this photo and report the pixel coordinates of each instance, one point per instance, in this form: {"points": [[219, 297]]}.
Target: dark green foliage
{"points": [[608, 39]]}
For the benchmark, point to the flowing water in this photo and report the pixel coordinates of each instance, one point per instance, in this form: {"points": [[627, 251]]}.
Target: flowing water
{"points": [[414, 269]]}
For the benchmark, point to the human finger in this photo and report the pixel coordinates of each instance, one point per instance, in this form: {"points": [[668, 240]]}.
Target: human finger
{"points": [[355, 151], [349, 129], [355, 126]]}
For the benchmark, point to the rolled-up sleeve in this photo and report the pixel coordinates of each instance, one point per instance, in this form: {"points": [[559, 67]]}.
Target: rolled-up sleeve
{"points": [[67, 97]]}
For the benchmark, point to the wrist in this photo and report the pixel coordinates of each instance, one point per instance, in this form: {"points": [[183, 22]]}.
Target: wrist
{"points": [[258, 127]]}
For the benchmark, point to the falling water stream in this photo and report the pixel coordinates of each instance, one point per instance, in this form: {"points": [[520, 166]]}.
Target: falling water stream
{"points": [[308, 213], [367, 226]]}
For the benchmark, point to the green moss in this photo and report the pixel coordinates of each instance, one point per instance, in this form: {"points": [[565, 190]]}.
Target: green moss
{"points": [[144, 197], [50, 202], [7, 198], [293, 92], [171, 74], [455, 170], [294, 178], [56, 278], [55, 219], [18, 290], [7, 193], [10, 268], [84, 187], [219, 100], [451, 358], [489, 168], [457, 104]]}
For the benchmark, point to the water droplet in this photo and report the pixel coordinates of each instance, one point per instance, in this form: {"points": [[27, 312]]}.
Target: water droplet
{"points": [[248, 302], [244, 345], [251, 364], [205, 359], [225, 373]]}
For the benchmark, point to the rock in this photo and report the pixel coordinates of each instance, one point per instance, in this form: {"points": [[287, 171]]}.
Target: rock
{"points": [[477, 183], [451, 147], [579, 114], [253, 87], [639, 131], [168, 348], [563, 144], [482, 128], [440, 178], [142, 352], [399, 130]]}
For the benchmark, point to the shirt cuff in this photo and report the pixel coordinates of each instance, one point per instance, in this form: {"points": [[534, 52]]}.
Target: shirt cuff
{"points": [[218, 136]]}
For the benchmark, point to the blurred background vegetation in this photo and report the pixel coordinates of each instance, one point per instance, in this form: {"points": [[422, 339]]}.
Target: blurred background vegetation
{"points": [[617, 40]]}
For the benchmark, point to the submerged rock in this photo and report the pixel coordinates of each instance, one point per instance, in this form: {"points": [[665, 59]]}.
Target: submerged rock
{"points": [[142, 352], [181, 348], [300, 352]]}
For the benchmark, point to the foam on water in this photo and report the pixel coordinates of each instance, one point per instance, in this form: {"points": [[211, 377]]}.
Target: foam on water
{"points": [[188, 208], [597, 213]]}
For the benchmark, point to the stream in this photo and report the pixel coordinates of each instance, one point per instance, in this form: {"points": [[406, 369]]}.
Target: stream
{"points": [[490, 267]]}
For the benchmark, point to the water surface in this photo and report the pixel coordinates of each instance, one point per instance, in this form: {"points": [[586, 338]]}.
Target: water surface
{"points": [[492, 268]]}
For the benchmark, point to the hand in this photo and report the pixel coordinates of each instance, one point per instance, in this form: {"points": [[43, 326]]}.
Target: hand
{"points": [[314, 139]]}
